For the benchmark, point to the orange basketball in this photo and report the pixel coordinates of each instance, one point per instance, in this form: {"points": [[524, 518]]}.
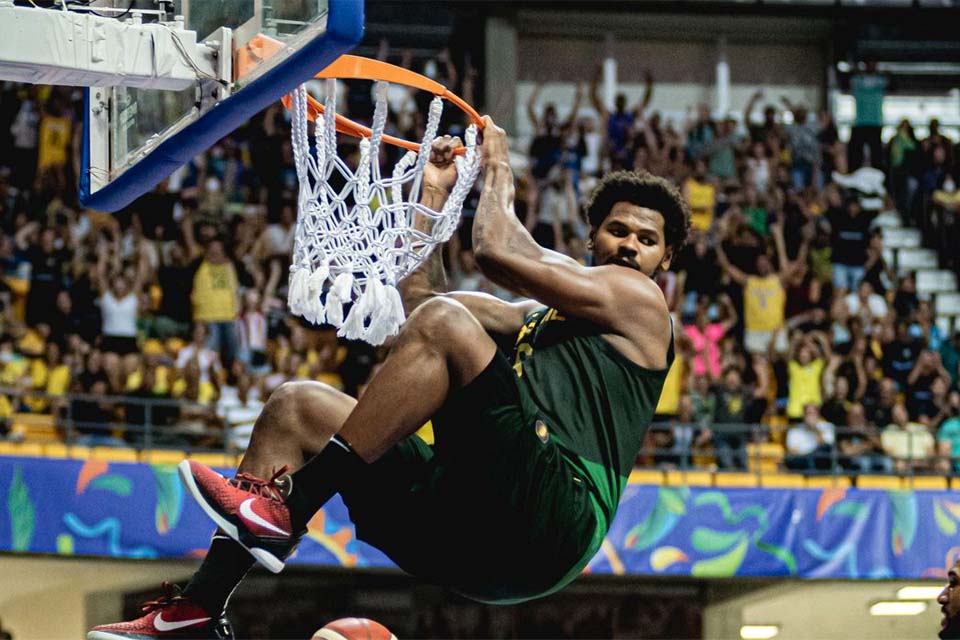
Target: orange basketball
{"points": [[354, 629]]}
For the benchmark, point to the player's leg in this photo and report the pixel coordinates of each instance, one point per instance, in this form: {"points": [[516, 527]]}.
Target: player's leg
{"points": [[297, 421], [442, 347]]}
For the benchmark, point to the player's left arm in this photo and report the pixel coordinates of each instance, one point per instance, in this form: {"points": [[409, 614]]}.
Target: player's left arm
{"points": [[611, 296]]}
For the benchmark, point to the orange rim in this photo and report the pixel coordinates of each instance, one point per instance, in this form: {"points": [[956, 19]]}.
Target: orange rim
{"points": [[358, 68]]}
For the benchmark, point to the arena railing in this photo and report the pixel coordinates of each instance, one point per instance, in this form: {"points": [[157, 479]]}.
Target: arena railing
{"points": [[761, 449], [157, 423], [752, 448]]}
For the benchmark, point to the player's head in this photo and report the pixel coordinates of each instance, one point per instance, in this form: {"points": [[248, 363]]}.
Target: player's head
{"points": [[637, 220], [949, 601]]}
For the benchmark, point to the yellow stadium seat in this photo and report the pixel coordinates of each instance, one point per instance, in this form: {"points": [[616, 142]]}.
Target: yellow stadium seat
{"points": [[880, 482], [778, 426], [56, 450], [214, 459], [152, 347], [80, 453], [828, 482], [922, 483], [646, 476], [955, 483], [782, 480], [678, 478], [35, 428], [704, 460], [114, 454], [26, 449], [735, 479], [162, 456], [764, 456]]}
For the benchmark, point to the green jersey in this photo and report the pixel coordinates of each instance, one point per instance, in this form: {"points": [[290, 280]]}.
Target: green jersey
{"points": [[598, 402]]}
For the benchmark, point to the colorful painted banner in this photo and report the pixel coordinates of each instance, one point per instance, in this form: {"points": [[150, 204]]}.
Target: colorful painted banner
{"points": [[141, 511]]}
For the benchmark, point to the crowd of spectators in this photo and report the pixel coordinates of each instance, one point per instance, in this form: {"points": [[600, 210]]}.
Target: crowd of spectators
{"points": [[788, 318], [791, 326]]}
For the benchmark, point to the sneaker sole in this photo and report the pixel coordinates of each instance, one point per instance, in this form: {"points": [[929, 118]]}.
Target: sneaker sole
{"points": [[106, 635], [265, 558]]}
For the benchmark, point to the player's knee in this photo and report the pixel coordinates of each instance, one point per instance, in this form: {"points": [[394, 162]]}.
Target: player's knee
{"points": [[299, 398], [440, 317]]}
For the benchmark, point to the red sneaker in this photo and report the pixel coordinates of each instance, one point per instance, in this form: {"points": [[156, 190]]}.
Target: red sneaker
{"points": [[169, 616], [248, 509]]}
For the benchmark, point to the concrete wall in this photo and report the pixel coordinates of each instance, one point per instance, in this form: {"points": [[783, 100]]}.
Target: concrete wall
{"points": [[813, 610], [47, 598], [684, 74], [787, 56]]}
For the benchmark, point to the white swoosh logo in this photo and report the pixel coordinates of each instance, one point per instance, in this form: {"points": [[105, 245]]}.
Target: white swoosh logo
{"points": [[163, 625], [248, 513]]}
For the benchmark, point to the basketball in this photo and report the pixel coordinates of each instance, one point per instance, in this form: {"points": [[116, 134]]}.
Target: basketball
{"points": [[354, 629]]}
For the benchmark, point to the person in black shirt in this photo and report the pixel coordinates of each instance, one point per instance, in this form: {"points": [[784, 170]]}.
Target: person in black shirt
{"points": [[849, 238], [46, 271], [876, 270], [905, 301], [859, 444], [900, 355], [920, 399], [835, 407], [698, 261], [736, 405], [546, 157], [155, 211], [175, 277]]}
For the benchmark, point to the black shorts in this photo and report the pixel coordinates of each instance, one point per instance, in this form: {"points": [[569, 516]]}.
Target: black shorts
{"points": [[492, 509], [121, 345]]}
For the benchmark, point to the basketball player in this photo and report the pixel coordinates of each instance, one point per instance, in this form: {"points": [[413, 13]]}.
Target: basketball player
{"points": [[533, 444]]}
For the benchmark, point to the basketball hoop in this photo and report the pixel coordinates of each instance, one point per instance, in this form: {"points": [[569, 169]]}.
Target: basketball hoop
{"points": [[357, 252]]}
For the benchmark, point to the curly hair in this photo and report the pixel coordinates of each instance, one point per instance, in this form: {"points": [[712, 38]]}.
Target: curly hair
{"points": [[645, 190]]}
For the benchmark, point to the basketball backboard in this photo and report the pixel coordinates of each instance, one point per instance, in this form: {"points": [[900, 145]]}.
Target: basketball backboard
{"points": [[135, 137]]}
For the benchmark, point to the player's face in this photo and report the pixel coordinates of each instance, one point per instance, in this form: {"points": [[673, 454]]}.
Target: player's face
{"points": [[632, 236], [949, 601]]}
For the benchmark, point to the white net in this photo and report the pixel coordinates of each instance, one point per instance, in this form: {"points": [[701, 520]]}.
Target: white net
{"points": [[353, 246]]}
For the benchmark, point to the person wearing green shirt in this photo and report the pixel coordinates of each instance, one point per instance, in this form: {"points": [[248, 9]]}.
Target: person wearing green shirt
{"points": [[868, 91], [948, 437]]}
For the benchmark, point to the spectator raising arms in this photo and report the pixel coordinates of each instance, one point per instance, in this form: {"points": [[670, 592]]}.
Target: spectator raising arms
{"points": [[214, 298], [705, 337], [619, 123]]}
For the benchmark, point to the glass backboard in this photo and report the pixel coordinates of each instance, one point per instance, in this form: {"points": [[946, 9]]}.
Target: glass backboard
{"points": [[136, 137]]}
